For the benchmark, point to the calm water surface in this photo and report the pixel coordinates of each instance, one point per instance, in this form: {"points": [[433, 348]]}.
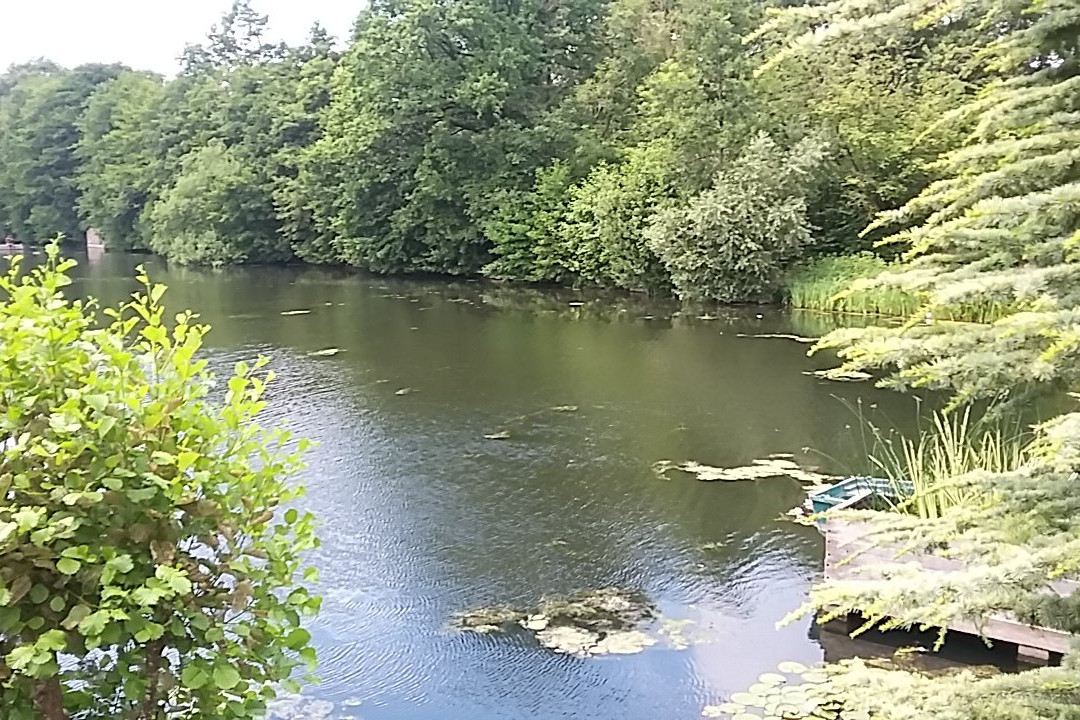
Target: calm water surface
{"points": [[423, 517]]}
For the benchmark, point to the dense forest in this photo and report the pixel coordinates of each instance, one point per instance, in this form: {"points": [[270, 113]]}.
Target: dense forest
{"points": [[638, 144]]}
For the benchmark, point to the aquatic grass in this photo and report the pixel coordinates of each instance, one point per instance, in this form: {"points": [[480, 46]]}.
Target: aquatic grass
{"points": [[831, 284], [826, 284], [923, 470]]}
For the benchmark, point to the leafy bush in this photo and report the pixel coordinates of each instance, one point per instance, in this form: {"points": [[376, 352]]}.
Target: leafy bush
{"points": [[141, 524], [216, 213], [734, 241], [525, 229], [609, 213]]}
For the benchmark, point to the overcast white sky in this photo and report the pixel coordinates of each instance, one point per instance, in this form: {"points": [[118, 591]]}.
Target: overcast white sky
{"points": [[145, 34]]}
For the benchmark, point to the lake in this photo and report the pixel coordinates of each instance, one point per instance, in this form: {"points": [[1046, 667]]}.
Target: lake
{"points": [[422, 516]]}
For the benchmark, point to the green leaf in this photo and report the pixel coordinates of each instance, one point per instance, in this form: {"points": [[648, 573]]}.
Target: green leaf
{"points": [[163, 458], [291, 515], [226, 677], [57, 604], [7, 529], [39, 594], [297, 639], [75, 616], [52, 640], [194, 677], [68, 566], [186, 459], [175, 580], [21, 657], [107, 423], [27, 518], [94, 623], [121, 564], [97, 402], [141, 495]]}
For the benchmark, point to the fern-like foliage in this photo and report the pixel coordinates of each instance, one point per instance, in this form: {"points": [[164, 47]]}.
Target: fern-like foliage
{"points": [[995, 240]]}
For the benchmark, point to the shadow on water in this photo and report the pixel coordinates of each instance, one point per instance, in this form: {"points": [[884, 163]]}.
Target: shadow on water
{"points": [[423, 516]]}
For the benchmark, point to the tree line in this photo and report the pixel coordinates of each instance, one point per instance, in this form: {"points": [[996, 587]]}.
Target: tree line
{"points": [[633, 144]]}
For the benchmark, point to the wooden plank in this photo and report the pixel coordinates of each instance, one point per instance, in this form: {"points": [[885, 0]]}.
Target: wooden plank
{"points": [[848, 554]]}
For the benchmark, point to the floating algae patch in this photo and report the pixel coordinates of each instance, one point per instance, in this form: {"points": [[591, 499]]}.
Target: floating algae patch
{"points": [[770, 467], [780, 336], [488, 619], [609, 621], [840, 375]]}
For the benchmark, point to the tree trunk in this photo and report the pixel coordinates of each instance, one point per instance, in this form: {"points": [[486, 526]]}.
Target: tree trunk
{"points": [[49, 699]]}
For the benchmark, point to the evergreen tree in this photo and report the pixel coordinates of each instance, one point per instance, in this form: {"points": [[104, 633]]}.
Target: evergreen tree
{"points": [[997, 236]]}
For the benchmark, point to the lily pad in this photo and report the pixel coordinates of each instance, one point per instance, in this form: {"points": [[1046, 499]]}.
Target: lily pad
{"points": [[721, 709], [536, 622], [484, 619], [623, 643], [792, 668], [772, 679], [746, 699], [568, 639]]}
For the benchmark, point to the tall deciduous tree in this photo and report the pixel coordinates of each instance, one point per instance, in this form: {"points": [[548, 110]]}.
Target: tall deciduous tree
{"points": [[39, 114]]}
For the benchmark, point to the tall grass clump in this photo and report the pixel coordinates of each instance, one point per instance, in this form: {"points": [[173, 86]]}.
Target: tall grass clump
{"points": [[825, 284], [829, 284], [923, 470]]}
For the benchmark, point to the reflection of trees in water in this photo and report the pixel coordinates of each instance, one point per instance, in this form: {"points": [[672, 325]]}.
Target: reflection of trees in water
{"points": [[813, 323]]}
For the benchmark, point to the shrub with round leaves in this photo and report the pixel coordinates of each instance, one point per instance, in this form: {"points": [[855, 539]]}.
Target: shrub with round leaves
{"points": [[148, 568]]}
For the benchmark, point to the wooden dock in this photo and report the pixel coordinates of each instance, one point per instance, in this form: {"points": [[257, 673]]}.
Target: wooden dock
{"points": [[848, 553]]}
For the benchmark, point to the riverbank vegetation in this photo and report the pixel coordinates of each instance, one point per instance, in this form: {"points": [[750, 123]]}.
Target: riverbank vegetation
{"points": [[147, 567], [616, 143]]}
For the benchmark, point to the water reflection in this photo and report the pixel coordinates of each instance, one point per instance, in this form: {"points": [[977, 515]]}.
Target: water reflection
{"points": [[423, 516]]}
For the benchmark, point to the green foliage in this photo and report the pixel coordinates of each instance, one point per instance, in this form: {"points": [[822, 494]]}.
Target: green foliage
{"points": [[861, 690], [39, 113], [527, 141], [435, 109], [215, 213], [836, 284], [140, 523], [526, 229], [116, 173], [734, 241], [609, 213], [993, 238], [928, 472]]}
